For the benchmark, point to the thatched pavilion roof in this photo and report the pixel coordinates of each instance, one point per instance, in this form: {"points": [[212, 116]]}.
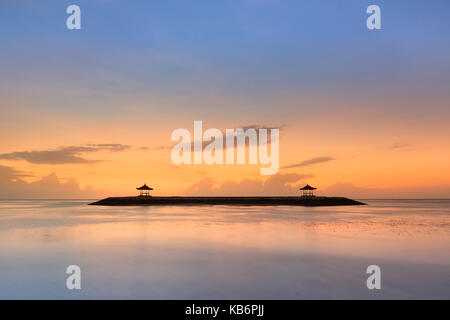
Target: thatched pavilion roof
{"points": [[308, 187], [144, 187]]}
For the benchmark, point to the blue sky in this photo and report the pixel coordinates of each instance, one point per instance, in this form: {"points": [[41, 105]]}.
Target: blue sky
{"points": [[250, 50]]}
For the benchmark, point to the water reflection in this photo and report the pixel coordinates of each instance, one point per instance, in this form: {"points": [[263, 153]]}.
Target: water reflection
{"points": [[223, 252]]}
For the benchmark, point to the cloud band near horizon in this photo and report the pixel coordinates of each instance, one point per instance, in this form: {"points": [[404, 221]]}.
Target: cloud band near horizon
{"points": [[64, 155]]}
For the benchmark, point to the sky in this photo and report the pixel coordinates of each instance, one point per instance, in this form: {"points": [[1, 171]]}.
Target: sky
{"points": [[89, 113]]}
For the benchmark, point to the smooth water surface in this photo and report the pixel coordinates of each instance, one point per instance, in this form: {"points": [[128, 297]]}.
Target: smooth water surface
{"points": [[222, 252]]}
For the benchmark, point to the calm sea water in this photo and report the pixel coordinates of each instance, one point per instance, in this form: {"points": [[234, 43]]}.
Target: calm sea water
{"points": [[220, 252]]}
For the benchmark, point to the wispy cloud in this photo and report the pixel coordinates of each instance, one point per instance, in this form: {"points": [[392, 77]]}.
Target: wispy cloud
{"points": [[156, 148], [309, 162], [109, 146], [235, 135], [64, 155], [258, 126], [399, 145]]}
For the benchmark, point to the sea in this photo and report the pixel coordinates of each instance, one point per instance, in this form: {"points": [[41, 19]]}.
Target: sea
{"points": [[225, 252]]}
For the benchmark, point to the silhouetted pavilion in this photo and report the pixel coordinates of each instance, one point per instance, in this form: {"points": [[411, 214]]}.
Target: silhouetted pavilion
{"points": [[308, 191], [144, 191]]}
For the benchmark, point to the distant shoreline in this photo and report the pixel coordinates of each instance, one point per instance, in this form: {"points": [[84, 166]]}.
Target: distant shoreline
{"points": [[232, 201]]}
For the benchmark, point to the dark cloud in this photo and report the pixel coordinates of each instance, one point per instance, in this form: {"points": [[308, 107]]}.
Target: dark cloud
{"points": [[12, 174], [63, 155], [399, 145], [49, 187], [279, 184], [308, 162], [47, 157]]}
